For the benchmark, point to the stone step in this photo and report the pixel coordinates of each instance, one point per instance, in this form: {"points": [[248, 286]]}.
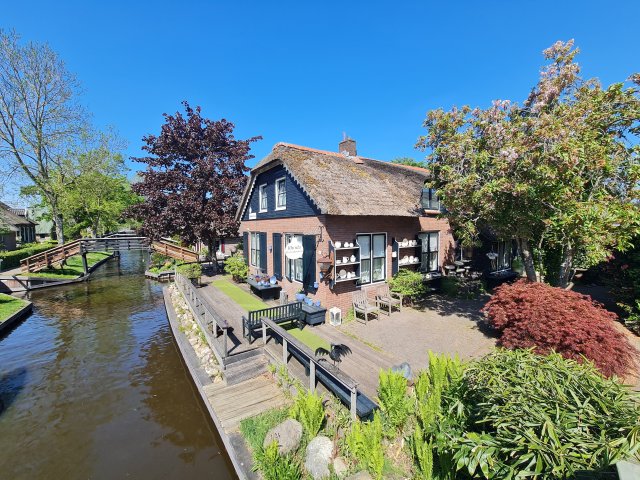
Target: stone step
{"points": [[245, 370]]}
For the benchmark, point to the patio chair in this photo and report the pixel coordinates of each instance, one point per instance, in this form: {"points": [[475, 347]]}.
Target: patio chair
{"points": [[361, 304], [384, 296]]}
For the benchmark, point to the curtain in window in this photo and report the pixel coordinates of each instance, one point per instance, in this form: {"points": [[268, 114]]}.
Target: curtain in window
{"points": [[365, 258], [281, 193], [430, 251], [293, 268], [373, 257]]}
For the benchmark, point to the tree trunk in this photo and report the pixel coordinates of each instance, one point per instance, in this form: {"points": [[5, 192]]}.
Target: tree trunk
{"points": [[566, 267], [527, 259], [57, 220]]}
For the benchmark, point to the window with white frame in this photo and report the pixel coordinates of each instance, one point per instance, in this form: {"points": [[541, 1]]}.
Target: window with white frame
{"points": [[430, 251], [373, 257], [262, 196], [281, 194], [255, 249], [293, 267]]}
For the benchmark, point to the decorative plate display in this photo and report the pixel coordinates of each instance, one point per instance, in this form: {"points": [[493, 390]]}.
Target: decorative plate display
{"points": [[342, 273], [338, 244]]}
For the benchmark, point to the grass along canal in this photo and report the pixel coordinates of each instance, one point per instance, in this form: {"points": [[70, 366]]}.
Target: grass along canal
{"points": [[92, 386]]}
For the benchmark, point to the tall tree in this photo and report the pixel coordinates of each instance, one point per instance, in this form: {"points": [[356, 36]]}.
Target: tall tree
{"points": [[39, 115], [558, 174], [194, 178], [411, 162]]}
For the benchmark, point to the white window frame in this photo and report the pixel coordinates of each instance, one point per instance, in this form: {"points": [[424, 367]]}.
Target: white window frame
{"points": [[254, 249], [277, 190], [371, 258], [288, 263], [262, 195], [423, 236]]}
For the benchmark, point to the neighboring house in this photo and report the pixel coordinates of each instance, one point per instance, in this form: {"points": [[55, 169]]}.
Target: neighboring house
{"points": [[45, 229], [21, 229], [301, 203]]}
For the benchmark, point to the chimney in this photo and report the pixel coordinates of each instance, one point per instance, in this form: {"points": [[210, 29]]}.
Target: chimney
{"points": [[348, 147]]}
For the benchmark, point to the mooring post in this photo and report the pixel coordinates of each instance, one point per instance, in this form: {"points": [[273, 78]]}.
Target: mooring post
{"points": [[85, 265]]}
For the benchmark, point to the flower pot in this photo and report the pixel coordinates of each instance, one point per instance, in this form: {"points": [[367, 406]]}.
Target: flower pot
{"points": [[300, 297]]}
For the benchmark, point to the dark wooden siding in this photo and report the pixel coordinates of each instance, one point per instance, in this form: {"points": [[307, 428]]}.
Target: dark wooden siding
{"points": [[298, 203]]}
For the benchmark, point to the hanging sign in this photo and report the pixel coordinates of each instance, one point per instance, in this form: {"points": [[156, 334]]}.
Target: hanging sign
{"points": [[293, 250]]}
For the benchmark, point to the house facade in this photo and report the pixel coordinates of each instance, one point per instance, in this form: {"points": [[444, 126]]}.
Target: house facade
{"points": [[16, 228], [333, 223]]}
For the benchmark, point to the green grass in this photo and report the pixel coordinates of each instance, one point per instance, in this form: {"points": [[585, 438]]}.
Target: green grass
{"points": [[72, 268], [9, 305], [254, 429], [246, 300], [309, 338]]}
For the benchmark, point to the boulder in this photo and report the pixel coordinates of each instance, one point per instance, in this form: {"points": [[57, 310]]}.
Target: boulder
{"points": [[340, 467], [317, 457], [361, 475], [288, 435]]}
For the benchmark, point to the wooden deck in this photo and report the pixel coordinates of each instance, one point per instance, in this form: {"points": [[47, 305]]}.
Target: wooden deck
{"points": [[246, 399]]}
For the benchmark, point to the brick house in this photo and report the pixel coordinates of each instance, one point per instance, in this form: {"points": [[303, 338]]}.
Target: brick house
{"points": [[15, 229], [301, 206]]}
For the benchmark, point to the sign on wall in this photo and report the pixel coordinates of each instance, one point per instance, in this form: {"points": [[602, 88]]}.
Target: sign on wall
{"points": [[294, 249]]}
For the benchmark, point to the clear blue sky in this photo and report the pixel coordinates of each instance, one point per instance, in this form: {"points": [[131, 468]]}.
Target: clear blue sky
{"points": [[304, 72]]}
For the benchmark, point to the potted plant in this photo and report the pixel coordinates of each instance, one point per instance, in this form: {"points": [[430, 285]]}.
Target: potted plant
{"points": [[300, 295]]}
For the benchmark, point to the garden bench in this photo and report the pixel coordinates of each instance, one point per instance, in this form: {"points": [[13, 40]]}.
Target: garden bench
{"points": [[289, 312], [384, 296], [361, 304]]}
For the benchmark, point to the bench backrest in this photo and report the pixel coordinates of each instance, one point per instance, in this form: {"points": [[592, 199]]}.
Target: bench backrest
{"points": [[360, 299], [383, 290], [288, 311]]}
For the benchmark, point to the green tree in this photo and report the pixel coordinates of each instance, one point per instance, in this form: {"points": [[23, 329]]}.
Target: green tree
{"points": [[558, 174], [411, 162], [39, 116]]}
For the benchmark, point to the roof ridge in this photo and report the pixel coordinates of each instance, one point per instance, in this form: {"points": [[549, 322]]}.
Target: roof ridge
{"points": [[317, 150]]}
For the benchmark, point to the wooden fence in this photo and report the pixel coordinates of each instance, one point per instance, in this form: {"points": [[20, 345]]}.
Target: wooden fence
{"points": [[209, 321]]}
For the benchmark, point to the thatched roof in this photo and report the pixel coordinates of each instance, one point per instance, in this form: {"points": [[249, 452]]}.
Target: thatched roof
{"points": [[10, 219], [346, 185]]}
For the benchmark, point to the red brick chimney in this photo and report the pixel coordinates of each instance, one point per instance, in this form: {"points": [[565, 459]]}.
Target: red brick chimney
{"points": [[348, 147]]}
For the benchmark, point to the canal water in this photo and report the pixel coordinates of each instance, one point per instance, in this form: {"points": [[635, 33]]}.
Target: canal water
{"points": [[92, 387]]}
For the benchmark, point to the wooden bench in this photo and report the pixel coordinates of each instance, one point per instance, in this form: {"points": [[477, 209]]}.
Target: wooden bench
{"points": [[289, 312]]}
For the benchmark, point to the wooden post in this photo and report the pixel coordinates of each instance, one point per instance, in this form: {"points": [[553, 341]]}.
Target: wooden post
{"points": [[284, 350], [85, 265], [312, 376], [354, 400], [224, 343], [264, 333]]}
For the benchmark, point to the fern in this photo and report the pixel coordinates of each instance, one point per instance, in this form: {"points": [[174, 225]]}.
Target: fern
{"points": [[422, 454], [364, 443], [394, 403], [275, 466], [309, 411]]}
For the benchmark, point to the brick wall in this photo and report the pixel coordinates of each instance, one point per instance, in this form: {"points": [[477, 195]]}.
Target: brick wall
{"points": [[345, 229]]}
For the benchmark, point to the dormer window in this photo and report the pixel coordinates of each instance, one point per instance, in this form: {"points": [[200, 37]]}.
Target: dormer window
{"points": [[281, 194], [430, 200], [262, 194]]}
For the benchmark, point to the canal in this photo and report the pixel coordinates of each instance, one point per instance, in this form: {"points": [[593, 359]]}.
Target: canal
{"points": [[92, 387]]}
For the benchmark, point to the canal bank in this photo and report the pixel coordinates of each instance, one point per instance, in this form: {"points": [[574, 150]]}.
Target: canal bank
{"points": [[93, 386]]}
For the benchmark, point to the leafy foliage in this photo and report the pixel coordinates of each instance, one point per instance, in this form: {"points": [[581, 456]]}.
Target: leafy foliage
{"points": [[622, 274], [535, 315], [544, 415], [309, 411], [254, 429], [408, 283], [394, 404], [411, 162], [422, 451], [274, 466], [190, 270], [236, 267], [557, 171], [12, 258], [364, 442], [194, 178]]}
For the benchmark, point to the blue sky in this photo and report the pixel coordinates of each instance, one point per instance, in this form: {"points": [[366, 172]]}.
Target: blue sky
{"points": [[304, 72]]}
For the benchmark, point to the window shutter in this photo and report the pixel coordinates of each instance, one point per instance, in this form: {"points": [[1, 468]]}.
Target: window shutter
{"points": [[263, 252], [308, 261], [277, 255], [245, 247]]}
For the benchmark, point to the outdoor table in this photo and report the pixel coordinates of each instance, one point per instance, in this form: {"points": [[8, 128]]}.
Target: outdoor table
{"points": [[264, 291], [313, 315]]}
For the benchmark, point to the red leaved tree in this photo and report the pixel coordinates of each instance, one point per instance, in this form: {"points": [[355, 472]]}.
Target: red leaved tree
{"points": [[194, 178], [545, 318]]}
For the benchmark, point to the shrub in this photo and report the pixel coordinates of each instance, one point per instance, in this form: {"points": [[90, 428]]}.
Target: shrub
{"points": [[449, 286], [422, 452], [408, 283], [545, 318], [309, 411], [544, 415], [190, 270], [236, 267], [364, 442], [275, 466], [394, 403], [12, 258]]}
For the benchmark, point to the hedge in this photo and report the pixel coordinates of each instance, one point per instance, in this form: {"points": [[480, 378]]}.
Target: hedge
{"points": [[11, 259]]}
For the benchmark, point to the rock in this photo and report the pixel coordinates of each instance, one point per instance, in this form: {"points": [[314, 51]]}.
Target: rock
{"points": [[288, 435], [340, 467], [361, 475], [317, 457], [404, 369]]}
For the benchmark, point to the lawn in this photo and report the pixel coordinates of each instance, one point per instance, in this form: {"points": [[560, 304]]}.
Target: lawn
{"points": [[9, 305], [249, 302], [73, 267]]}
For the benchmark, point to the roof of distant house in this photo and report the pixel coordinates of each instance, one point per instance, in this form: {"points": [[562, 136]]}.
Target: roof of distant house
{"points": [[12, 220], [340, 184]]}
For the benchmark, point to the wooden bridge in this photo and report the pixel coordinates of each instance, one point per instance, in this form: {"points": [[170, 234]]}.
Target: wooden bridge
{"points": [[111, 243]]}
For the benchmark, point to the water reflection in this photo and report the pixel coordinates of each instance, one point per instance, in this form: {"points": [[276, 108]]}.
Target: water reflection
{"points": [[92, 387]]}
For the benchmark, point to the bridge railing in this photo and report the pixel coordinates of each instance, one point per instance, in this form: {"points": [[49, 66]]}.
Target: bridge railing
{"points": [[48, 257], [209, 321], [175, 251]]}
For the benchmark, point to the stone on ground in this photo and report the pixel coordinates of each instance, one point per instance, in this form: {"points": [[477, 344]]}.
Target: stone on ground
{"points": [[340, 467], [288, 435], [361, 475], [317, 457]]}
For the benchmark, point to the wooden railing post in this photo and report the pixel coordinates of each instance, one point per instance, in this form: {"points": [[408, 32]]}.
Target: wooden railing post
{"points": [[264, 333], [354, 400], [285, 344], [224, 342], [312, 376]]}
